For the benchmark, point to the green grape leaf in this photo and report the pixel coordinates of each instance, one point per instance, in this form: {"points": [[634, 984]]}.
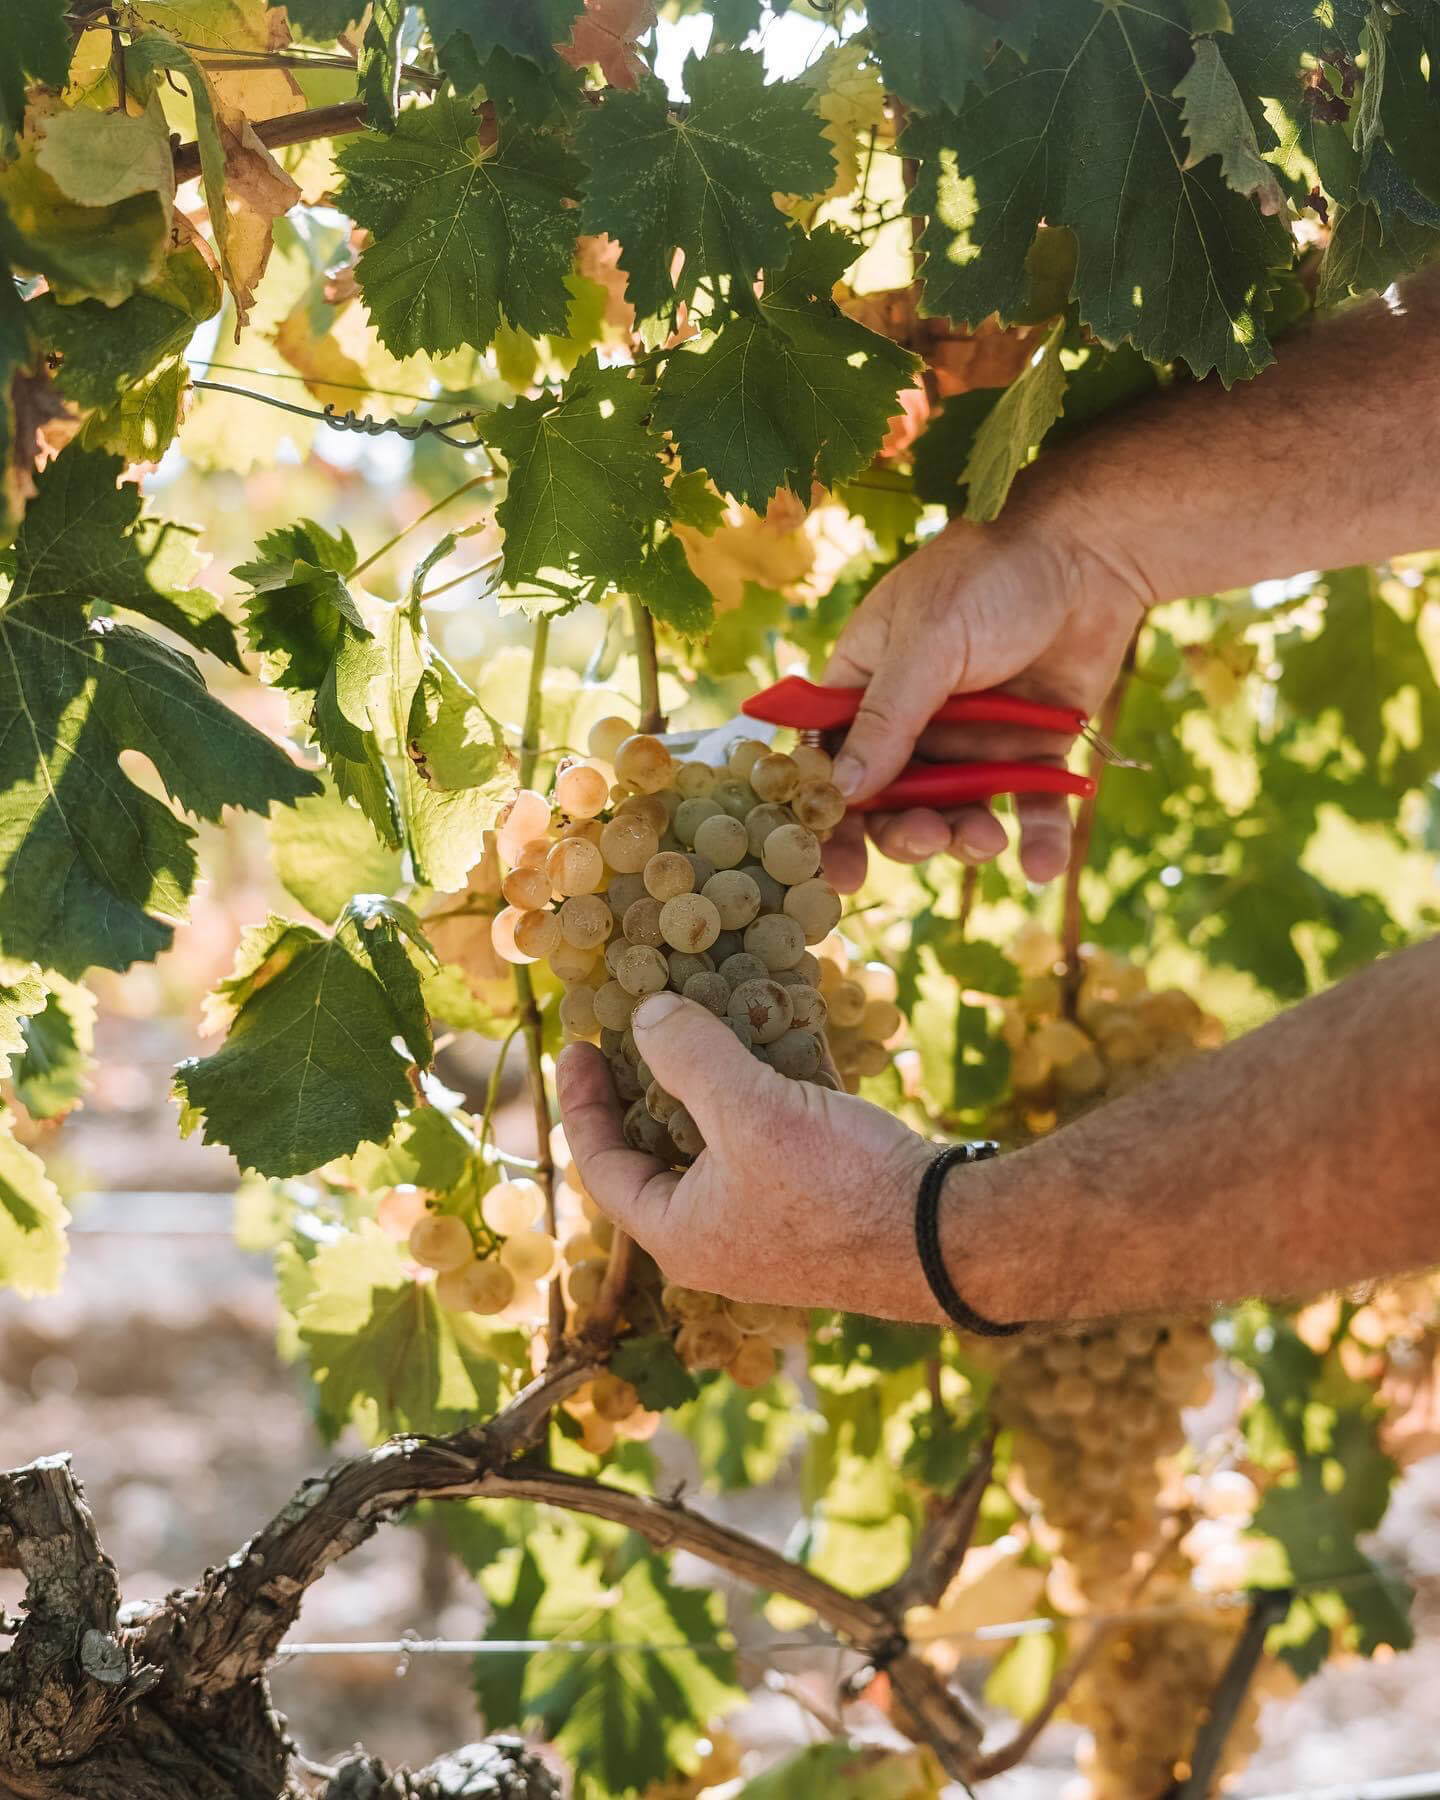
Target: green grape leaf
{"points": [[52, 1073], [930, 51], [521, 91], [1367, 252], [550, 1590], [32, 1219], [742, 1436], [382, 1352], [842, 1771], [322, 20], [84, 252], [34, 46], [694, 502], [87, 858], [1087, 134], [1410, 106], [672, 591], [1012, 430], [380, 63], [430, 1148], [314, 641], [456, 776], [528, 28], [22, 994], [309, 1069], [623, 1714], [703, 184], [943, 449], [1218, 123], [465, 235], [586, 482], [794, 393], [325, 851], [656, 1373]]}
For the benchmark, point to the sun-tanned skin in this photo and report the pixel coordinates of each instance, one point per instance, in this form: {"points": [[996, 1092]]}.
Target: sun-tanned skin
{"points": [[1301, 1157]]}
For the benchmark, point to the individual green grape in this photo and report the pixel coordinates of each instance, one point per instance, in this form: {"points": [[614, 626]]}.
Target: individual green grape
{"points": [[722, 840], [808, 1008], [774, 776], [764, 1006], [709, 1341], [649, 807], [628, 1084], [744, 756], [818, 805], [795, 1053], [760, 821], [399, 1211], [690, 922], [668, 874], [813, 763], [791, 854], [581, 790], [577, 1011], [614, 1005], [606, 737], [772, 892], [585, 921], [683, 964], [575, 866], [846, 1001], [729, 943], [693, 779], [741, 1029], [743, 967], [644, 1132], [692, 813], [753, 1364], [817, 907], [710, 990], [526, 818], [526, 889], [502, 935], [881, 1020], [512, 1206], [701, 867], [644, 762], [441, 1241], [640, 969], [530, 1255], [658, 1103], [641, 924], [628, 842], [734, 896], [624, 891], [478, 1287], [777, 940], [734, 797], [537, 934], [684, 1133]]}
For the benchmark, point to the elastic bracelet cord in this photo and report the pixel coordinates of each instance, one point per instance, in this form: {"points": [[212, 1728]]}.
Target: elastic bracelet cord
{"points": [[927, 1240]]}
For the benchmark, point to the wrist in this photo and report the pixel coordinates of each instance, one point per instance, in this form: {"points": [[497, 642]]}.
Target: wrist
{"points": [[1057, 505], [983, 1244]]}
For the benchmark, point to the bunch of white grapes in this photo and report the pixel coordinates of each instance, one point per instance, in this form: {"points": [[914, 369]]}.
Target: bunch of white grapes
{"points": [[489, 1266]]}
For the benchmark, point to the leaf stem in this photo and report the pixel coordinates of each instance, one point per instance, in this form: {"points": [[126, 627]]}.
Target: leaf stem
{"points": [[429, 513]]}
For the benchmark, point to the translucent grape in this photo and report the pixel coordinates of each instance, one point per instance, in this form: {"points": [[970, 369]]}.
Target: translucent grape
{"points": [[582, 790], [614, 950], [641, 924], [658, 1103], [764, 1006], [722, 840], [777, 940], [526, 889], [399, 1211], [881, 1019], [744, 756], [693, 779], [791, 854], [734, 896], [533, 854], [512, 1206], [775, 777], [577, 1012], [628, 842], [585, 922], [710, 990], [612, 1397], [614, 1005], [760, 821], [690, 923], [668, 874], [537, 934], [818, 805], [846, 1001], [753, 1364], [649, 807], [813, 763], [530, 1255], [526, 817], [691, 814], [644, 762], [708, 1342], [817, 907], [487, 1287], [641, 970], [441, 1241], [502, 935], [575, 866], [606, 736]]}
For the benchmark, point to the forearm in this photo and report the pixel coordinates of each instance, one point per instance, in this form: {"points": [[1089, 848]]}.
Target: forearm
{"points": [[1326, 459], [1303, 1157]]}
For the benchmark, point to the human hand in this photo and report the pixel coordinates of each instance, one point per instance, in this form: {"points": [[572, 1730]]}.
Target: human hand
{"points": [[1025, 603], [801, 1196]]}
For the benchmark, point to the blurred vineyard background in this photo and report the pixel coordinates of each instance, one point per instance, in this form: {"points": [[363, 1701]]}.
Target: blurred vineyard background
{"points": [[158, 1364]]}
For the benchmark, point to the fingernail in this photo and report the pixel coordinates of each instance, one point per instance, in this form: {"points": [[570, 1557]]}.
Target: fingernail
{"points": [[973, 850], [847, 774], [926, 841], [654, 1009]]}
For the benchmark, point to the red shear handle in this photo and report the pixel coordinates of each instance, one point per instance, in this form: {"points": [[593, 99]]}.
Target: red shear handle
{"points": [[944, 785], [807, 706]]}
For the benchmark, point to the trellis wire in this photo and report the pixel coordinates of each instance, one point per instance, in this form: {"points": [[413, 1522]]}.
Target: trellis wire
{"points": [[362, 422]]}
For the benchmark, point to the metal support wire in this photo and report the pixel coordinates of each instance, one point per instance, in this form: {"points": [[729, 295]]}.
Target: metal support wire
{"points": [[1397, 1787], [361, 422]]}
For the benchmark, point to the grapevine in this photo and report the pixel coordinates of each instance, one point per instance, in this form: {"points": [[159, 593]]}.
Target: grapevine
{"points": [[545, 375]]}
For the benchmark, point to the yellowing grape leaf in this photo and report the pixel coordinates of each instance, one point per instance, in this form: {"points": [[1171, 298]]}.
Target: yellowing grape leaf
{"points": [[87, 859], [250, 28], [465, 234], [382, 1353], [1012, 429], [32, 1218], [843, 1771], [792, 394], [850, 98], [606, 33], [702, 183], [309, 1068], [331, 374], [102, 158], [326, 851], [23, 987]]}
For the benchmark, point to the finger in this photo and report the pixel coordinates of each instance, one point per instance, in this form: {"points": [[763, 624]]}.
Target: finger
{"points": [[894, 709], [911, 836], [699, 1060], [632, 1188], [844, 855], [976, 835], [1045, 834]]}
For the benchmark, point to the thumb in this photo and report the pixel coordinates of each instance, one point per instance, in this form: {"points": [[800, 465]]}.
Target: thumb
{"points": [[894, 709], [697, 1058]]}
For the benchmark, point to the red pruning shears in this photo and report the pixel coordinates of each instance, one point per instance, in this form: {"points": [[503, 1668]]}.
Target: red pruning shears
{"points": [[807, 707]]}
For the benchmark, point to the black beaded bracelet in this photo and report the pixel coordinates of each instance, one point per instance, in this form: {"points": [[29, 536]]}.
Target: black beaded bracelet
{"points": [[927, 1240]]}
